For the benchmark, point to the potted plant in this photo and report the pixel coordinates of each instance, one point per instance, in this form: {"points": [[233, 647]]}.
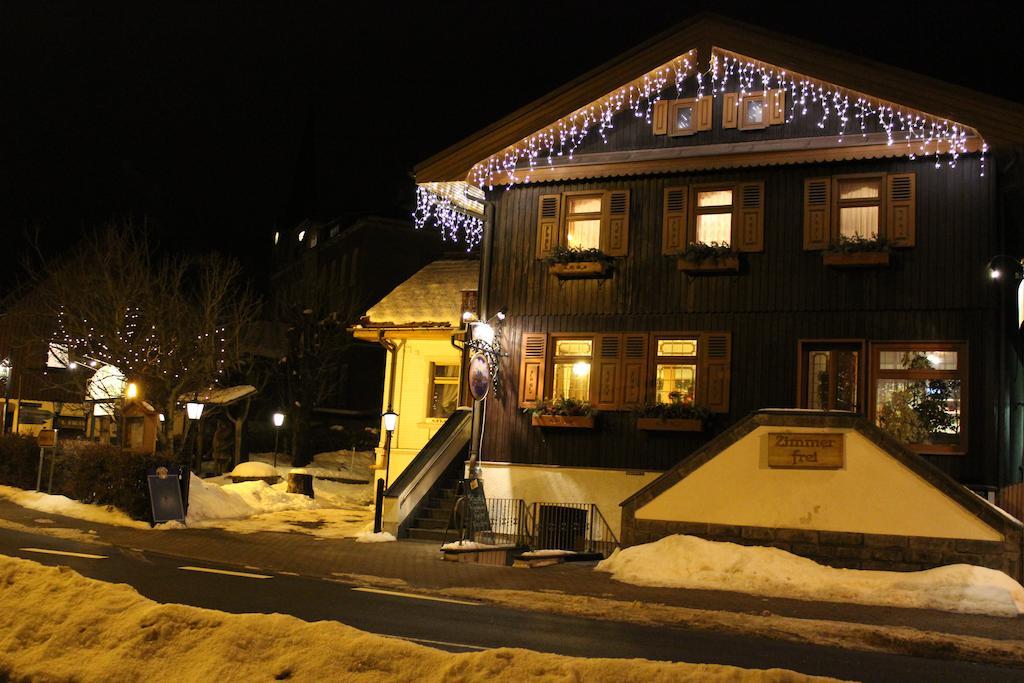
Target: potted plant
{"points": [[675, 416], [857, 252], [563, 412], [574, 263], [714, 257]]}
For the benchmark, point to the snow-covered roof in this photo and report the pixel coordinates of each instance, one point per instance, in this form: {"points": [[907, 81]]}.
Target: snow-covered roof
{"points": [[430, 298], [220, 396]]}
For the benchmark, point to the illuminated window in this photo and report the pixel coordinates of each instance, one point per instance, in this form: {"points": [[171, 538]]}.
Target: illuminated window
{"points": [[713, 216], [675, 370], [859, 201], [444, 390], [831, 375], [571, 373], [919, 394], [583, 221]]}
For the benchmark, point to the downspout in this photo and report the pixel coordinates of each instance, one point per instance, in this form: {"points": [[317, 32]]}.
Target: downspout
{"points": [[391, 348]]}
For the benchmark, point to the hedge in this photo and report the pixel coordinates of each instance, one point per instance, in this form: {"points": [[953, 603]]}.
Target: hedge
{"points": [[85, 471]]}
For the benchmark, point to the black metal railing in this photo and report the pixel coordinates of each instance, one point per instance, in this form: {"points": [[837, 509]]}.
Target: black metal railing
{"points": [[509, 522], [579, 527]]}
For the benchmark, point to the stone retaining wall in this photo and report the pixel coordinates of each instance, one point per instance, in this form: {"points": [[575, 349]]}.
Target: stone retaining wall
{"points": [[842, 549]]}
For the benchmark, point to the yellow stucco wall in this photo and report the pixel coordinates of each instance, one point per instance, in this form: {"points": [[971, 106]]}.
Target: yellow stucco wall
{"points": [[412, 396], [872, 493], [606, 488]]}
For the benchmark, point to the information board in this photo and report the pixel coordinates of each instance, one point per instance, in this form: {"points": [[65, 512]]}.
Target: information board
{"points": [[479, 519], [165, 495]]}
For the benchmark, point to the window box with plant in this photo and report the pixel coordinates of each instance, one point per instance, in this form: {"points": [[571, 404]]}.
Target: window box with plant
{"points": [[566, 413], [676, 416], [575, 263], [714, 257], [857, 251]]}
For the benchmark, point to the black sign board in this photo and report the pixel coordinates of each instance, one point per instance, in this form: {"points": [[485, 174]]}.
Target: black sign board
{"points": [[165, 495], [479, 519]]}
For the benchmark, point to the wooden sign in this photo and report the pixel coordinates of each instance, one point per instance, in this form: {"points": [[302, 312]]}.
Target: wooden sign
{"points": [[803, 450]]}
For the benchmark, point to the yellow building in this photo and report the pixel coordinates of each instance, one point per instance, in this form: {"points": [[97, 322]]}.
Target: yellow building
{"points": [[416, 322]]}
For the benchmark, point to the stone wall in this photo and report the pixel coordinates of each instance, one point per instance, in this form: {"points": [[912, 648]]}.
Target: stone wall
{"points": [[842, 549]]}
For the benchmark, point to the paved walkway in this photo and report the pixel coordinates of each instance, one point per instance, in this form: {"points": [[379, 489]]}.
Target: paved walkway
{"points": [[419, 564]]}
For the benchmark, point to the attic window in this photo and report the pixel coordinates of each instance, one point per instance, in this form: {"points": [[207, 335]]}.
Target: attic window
{"points": [[682, 117], [753, 112]]}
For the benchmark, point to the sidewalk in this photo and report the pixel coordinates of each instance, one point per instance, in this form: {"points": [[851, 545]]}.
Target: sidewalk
{"points": [[418, 564]]}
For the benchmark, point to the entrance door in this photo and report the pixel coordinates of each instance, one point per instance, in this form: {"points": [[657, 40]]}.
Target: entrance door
{"points": [[830, 375]]}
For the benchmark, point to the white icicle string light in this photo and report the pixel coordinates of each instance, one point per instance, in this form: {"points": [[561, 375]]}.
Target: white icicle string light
{"points": [[453, 223]]}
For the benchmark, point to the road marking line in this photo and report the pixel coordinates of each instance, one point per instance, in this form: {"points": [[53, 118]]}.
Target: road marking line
{"points": [[208, 570], [427, 641], [415, 596], [44, 551], [284, 573]]}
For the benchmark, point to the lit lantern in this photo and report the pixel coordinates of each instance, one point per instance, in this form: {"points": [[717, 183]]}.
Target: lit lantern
{"points": [[278, 419], [194, 410], [390, 421]]}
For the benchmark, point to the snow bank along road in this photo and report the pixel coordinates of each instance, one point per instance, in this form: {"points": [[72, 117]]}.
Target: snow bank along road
{"points": [[464, 625]]}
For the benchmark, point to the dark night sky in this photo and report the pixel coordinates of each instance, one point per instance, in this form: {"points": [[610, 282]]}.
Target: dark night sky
{"points": [[218, 120]]}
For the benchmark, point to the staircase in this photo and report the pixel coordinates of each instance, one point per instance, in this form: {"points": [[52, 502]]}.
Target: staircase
{"points": [[431, 519]]}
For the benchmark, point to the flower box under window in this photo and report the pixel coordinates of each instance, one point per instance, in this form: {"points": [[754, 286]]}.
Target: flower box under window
{"points": [[564, 421], [722, 264], [657, 424], [857, 259], [581, 270]]}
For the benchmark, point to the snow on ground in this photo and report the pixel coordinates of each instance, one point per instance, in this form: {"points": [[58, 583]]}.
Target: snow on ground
{"points": [[62, 505], [58, 625], [371, 537], [253, 470], [691, 562]]}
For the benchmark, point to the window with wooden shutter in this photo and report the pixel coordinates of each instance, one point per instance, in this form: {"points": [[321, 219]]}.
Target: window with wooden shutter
{"points": [[714, 371], [901, 209], [615, 232], [730, 110], [532, 363], [549, 215], [608, 371], [749, 225], [673, 220], [659, 118], [634, 369], [817, 213]]}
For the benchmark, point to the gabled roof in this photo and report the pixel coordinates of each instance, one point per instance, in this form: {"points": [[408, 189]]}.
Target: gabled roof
{"points": [[430, 298], [998, 121]]}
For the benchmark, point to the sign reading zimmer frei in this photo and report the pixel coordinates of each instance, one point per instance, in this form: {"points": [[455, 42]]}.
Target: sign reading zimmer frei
{"points": [[803, 450]]}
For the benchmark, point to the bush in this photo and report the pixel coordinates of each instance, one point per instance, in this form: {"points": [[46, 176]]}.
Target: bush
{"points": [[698, 252], [577, 255], [85, 471]]}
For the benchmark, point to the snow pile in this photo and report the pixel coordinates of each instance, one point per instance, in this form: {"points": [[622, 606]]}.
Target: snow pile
{"points": [[371, 537], [690, 562], [253, 470], [62, 505], [58, 625]]}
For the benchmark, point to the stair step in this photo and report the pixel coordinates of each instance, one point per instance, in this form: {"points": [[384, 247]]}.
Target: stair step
{"points": [[429, 523], [437, 512], [428, 534]]}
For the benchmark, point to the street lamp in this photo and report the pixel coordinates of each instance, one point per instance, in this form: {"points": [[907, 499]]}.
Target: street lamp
{"points": [[390, 418], [278, 421], [5, 377], [194, 409]]}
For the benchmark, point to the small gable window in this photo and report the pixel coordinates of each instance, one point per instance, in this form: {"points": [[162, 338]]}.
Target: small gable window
{"points": [[753, 112]]}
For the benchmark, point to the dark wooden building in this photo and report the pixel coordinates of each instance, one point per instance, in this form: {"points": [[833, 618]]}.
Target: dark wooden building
{"points": [[796, 228]]}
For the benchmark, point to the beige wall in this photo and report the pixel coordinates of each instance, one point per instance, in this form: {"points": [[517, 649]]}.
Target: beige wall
{"points": [[412, 396], [872, 493], [606, 488]]}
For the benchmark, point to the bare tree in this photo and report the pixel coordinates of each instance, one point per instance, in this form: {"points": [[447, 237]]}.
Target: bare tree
{"points": [[172, 324]]}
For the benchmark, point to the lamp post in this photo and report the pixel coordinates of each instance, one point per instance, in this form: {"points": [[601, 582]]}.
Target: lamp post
{"points": [[390, 418], [194, 409], [5, 377], [278, 421]]}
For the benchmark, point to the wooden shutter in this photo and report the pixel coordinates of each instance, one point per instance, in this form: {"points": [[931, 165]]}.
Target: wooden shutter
{"points": [[730, 110], [749, 225], [817, 213], [702, 109], [615, 238], [673, 221], [634, 370], [607, 371], [532, 365], [901, 208], [714, 371], [549, 220], [659, 118], [776, 106]]}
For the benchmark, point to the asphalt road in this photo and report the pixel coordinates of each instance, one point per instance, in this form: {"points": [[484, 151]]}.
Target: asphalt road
{"points": [[463, 626]]}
